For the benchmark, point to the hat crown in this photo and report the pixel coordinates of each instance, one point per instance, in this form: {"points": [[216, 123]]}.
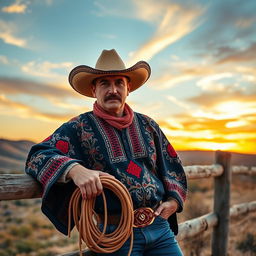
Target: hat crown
{"points": [[109, 60]]}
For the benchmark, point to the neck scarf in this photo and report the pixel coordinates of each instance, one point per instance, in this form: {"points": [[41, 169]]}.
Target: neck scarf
{"points": [[118, 122]]}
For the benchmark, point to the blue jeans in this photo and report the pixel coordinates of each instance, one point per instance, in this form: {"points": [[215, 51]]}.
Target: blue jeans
{"points": [[156, 239]]}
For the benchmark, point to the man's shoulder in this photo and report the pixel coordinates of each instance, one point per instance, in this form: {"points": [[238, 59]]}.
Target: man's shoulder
{"points": [[146, 119], [80, 118]]}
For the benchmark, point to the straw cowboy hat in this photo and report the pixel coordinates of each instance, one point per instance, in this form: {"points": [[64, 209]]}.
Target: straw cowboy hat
{"points": [[109, 63]]}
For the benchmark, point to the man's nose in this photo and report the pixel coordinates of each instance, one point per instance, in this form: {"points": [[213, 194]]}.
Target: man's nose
{"points": [[113, 88]]}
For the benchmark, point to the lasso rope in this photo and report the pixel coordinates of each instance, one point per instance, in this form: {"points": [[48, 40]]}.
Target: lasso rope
{"points": [[84, 218]]}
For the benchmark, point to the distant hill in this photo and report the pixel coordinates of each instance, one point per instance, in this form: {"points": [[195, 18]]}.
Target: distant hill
{"points": [[191, 157], [13, 155]]}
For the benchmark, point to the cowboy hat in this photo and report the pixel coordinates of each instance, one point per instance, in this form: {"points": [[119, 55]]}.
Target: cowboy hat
{"points": [[108, 64]]}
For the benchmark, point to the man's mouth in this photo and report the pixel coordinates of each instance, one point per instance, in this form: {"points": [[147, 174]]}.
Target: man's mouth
{"points": [[112, 97]]}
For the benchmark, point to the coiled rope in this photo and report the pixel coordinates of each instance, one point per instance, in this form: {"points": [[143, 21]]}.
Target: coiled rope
{"points": [[83, 215]]}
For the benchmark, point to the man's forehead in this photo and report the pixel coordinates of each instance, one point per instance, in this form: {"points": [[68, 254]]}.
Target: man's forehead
{"points": [[110, 77]]}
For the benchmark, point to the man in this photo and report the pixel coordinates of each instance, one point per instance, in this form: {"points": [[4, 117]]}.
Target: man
{"points": [[113, 140]]}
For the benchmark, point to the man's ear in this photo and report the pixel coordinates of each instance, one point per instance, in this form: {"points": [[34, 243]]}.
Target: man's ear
{"points": [[128, 88], [93, 88]]}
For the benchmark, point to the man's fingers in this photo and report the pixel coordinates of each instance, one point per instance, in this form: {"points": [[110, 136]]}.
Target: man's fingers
{"points": [[95, 187], [99, 187], [158, 210], [105, 174], [83, 192], [88, 192]]}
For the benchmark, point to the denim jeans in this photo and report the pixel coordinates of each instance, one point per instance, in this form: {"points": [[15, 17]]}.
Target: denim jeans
{"points": [[156, 239]]}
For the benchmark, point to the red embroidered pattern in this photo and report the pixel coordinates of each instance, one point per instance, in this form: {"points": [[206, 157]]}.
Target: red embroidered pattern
{"points": [[51, 168], [134, 169], [171, 151], [63, 146], [136, 141], [113, 145], [175, 186]]}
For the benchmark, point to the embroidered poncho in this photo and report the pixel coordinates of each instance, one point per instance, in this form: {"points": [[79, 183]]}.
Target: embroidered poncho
{"points": [[140, 156]]}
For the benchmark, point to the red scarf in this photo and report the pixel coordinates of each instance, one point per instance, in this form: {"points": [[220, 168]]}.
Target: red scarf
{"points": [[118, 122]]}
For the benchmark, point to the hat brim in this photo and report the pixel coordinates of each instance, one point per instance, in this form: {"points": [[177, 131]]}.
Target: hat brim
{"points": [[81, 77]]}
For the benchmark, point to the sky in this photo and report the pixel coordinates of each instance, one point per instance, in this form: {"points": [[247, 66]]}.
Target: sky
{"points": [[202, 89]]}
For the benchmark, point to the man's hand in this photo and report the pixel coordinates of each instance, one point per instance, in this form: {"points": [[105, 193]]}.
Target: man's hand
{"points": [[166, 209], [87, 180]]}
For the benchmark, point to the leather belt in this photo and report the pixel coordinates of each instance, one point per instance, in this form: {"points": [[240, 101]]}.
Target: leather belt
{"points": [[143, 217]]}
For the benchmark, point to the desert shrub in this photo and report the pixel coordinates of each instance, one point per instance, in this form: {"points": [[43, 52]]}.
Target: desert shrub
{"points": [[46, 253], [6, 243], [195, 186], [21, 231], [8, 252], [248, 244], [4, 206], [26, 246], [20, 203], [8, 220], [17, 220]]}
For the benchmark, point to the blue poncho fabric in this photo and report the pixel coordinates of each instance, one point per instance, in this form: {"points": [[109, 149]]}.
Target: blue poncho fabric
{"points": [[140, 156]]}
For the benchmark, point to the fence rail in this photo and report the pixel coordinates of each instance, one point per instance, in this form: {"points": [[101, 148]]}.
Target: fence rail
{"points": [[22, 186]]}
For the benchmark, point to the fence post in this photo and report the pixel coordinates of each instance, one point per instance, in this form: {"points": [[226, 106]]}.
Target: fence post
{"points": [[221, 205]]}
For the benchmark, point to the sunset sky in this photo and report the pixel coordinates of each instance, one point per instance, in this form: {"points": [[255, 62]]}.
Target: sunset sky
{"points": [[202, 90]]}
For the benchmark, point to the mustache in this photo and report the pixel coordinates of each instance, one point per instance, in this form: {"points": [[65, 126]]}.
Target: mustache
{"points": [[113, 97]]}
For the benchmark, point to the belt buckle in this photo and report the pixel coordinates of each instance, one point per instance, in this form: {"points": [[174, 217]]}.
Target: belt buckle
{"points": [[143, 217]]}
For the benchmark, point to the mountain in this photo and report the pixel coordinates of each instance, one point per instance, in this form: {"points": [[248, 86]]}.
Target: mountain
{"points": [[192, 157], [13, 155]]}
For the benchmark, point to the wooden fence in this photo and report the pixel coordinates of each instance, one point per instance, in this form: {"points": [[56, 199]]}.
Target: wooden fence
{"points": [[21, 186]]}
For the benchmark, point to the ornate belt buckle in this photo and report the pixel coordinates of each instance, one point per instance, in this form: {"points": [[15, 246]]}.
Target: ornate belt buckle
{"points": [[143, 217]]}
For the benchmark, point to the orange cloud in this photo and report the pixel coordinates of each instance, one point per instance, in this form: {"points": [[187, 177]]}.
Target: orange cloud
{"points": [[13, 86], [246, 55], [7, 34], [16, 7], [173, 22]]}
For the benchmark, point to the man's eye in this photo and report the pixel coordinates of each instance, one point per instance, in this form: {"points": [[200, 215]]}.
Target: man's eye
{"points": [[120, 82], [103, 83]]}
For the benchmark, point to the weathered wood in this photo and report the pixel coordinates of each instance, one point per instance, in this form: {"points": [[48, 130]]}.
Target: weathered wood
{"points": [[244, 170], [239, 210], [203, 171], [18, 186], [221, 205], [196, 226], [22, 186]]}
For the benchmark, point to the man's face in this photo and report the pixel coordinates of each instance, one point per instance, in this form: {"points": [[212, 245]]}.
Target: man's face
{"points": [[111, 93]]}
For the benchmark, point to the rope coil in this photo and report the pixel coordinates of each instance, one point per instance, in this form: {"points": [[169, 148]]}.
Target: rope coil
{"points": [[84, 215]]}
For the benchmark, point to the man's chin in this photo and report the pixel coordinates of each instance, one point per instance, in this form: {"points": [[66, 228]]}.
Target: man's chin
{"points": [[113, 108]]}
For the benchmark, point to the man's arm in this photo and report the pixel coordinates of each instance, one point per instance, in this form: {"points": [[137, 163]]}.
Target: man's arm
{"points": [[87, 180]]}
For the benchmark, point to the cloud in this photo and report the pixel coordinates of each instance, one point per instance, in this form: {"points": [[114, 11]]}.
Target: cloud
{"points": [[11, 86], [12, 108], [211, 99], [46, 69], [16, 7], [173, 22], [4, 60], [245, 22], [246, 55], [211, 82], [178, 102], [7, 34]]}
